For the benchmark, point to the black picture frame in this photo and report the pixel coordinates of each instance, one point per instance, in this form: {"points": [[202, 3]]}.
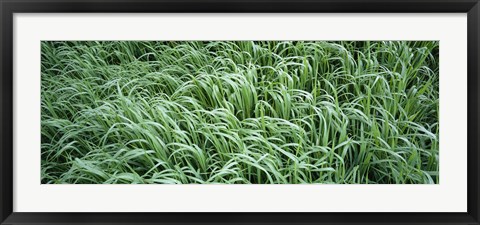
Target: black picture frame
{"points": [[9, 7]]}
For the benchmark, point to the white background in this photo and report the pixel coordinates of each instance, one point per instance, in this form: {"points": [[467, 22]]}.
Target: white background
{"points": [[449, 195]]}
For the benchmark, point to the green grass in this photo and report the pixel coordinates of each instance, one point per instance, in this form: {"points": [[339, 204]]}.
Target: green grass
{"points": [[276, 112]]}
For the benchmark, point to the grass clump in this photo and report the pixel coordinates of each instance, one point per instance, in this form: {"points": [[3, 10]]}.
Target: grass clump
{"points": [[240, 112]]}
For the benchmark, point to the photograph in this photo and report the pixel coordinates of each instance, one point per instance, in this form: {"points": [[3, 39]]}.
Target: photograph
{"points": [[240, 112]]}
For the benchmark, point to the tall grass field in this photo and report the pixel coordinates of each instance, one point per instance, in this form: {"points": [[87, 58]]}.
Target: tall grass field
{"points": [[239, 112]]}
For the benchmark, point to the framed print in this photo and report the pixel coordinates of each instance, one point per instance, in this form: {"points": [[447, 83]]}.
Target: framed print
{"points": [[239, 112]]}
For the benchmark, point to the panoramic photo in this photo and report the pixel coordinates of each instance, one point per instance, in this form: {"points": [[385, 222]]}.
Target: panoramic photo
{"points": [[240, 112]]}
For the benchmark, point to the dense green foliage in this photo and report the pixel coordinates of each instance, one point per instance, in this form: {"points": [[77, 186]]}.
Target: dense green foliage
{"points": [[240, 112]]}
